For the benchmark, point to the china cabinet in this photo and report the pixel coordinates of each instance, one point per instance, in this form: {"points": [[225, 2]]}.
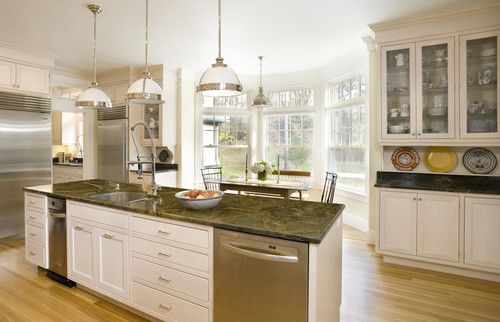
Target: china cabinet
{"points": [[480, 93]]}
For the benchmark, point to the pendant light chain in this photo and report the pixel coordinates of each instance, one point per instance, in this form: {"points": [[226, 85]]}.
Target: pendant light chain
{"points": [[220, 28], [95, 41], [146, 41]]}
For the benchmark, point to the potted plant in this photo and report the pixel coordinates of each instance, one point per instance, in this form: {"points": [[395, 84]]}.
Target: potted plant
{"points": [[263, 169]]}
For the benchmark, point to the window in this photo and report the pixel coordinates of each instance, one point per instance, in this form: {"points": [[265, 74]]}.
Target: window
{"points": [[225, 135], [289, 133], [290, 137], [292, 98], [347, 139], [346, 90]]}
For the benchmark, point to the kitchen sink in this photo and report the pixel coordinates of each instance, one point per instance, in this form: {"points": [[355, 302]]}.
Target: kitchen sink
{"points": [[123, 196]]}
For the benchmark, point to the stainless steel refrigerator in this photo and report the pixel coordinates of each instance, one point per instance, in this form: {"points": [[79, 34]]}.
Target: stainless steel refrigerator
{"points": [[25, 155], [112, 140]]}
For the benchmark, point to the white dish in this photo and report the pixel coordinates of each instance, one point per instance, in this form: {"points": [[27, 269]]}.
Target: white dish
{"points": [[396, 129], [201, 203]]}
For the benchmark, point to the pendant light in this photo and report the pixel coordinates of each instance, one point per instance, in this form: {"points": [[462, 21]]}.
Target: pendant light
{"points": [[145, 90], [219, 80], [93, 97], [261, 100]]}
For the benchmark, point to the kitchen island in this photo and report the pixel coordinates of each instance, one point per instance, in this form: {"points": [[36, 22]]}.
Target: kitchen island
{"points": [[157, 257]]}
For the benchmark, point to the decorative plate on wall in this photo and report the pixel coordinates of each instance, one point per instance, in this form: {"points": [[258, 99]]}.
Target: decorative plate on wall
{"points": [[405, 158], [440, 159], [479, 161]]}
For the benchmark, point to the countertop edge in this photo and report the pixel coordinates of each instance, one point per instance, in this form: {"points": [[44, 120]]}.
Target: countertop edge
{"points": [[166, 215], [476, 191]]}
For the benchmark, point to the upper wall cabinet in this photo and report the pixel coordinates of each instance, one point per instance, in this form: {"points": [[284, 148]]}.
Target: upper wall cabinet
{"points": [[478, 79], [418, 91], [20, 77]]}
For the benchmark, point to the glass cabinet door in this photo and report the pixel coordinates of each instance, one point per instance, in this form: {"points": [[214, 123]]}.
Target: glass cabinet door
{"points": [[398, 92], [479, 102], [435, 84]]}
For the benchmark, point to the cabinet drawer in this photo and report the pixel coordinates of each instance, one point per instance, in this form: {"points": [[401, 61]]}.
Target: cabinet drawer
{"points": [[35, 234], [166, 306], [171, 254], [35, 217], [106, 216], [35, 254], [166, 231], [35, 201], [169, 278]]}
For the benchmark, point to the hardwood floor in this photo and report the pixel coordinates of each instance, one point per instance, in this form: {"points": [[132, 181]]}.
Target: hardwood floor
{"points": [[372, 291]]}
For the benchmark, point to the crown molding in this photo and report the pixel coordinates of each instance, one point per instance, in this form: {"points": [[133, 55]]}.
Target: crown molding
{"points": [[71, 72], [29, 50], [434, 17]]}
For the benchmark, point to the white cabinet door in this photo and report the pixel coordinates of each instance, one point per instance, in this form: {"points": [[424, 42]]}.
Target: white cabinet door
{"points": [[438, 226], [33, 79], [7, 74], [482, 232], [480, 91], [81, 252], [398, 92], [398, 222], [112, 250]]}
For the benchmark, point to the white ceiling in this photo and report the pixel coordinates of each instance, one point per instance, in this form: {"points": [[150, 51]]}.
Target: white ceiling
{"points": [[293, 34]]}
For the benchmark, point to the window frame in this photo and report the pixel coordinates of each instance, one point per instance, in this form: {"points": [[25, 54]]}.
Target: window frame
{"points": [[330, 108]]}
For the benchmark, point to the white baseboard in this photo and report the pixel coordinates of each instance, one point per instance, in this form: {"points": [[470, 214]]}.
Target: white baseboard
{"points": [[355, 222], [442, 268], [371, 236]]}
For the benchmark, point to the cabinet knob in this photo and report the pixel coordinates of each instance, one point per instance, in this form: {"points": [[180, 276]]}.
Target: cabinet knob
{"points": [[79, 228], [163, 232], [414, 199], [413, 134], [32, 253], [108, 236], [419, 133], [31, 217], [32, 235], [419, 199]]}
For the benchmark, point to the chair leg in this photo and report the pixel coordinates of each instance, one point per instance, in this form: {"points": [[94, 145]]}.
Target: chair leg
{"points": [[300, 195]]}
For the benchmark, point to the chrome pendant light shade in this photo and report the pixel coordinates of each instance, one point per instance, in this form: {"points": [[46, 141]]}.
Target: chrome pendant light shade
{"points": [[261, 100], [145, 90], [93, 97], [220, 79]]}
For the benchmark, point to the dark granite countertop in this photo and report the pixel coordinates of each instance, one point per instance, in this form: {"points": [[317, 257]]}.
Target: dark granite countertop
{"points": [[303, 221], [68, 164], [439, 182]]}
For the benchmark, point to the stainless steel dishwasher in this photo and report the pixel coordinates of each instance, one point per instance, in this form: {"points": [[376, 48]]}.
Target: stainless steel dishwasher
{"points": [[58, 269], [259, 279]]}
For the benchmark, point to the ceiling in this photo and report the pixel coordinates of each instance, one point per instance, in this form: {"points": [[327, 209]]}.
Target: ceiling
{"points": [[293, 35]]}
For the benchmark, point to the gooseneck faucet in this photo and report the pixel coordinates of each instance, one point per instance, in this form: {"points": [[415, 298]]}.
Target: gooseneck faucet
{"points": [[154, 186]]}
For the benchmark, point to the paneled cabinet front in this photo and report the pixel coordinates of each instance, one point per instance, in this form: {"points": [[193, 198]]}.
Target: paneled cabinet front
{"points": [[420, 224], [26, 78], [81, 252]]}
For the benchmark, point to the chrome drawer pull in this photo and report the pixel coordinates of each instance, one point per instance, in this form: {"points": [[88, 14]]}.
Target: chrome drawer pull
{"points": [[108, 236], [32, 253], [163, 232], [168, 308], [79, 228], [163, 254], [32, 235], [31, 217], [166, 279], [32, 202]]}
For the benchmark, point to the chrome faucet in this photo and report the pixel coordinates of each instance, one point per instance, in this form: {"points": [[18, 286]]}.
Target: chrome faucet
{"points": [[79, 146], [154, 186]]}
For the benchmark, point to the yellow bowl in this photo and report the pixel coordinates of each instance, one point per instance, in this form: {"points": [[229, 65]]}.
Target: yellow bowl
{"points": [[440, 159]]}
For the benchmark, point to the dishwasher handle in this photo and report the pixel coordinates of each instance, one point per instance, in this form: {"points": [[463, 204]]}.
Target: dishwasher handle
{"points": [[57, 214], [258, 254]]}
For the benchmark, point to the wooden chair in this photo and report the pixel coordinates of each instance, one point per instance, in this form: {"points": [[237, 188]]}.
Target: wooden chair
{"points": [[292, 175], [329, 187], [211, 174]]}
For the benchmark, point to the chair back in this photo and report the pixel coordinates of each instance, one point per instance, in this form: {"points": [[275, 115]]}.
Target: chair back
{"points": [[211, 176], [292, 175], [329, 187]]}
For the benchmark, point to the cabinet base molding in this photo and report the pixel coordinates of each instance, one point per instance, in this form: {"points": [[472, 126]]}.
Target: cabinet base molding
{"points": [[442, 268]]}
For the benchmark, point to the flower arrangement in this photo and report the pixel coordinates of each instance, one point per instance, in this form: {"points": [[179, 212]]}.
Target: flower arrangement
{"points": [[263, 169]]}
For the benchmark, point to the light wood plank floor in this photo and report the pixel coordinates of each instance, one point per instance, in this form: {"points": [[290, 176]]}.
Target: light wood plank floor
{"points": [[372, 291]]}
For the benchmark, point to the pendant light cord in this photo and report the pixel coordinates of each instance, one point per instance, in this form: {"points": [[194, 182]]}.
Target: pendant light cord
{"points": [[146, 42], [260, 58], [95, 36], [219, 16]]}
